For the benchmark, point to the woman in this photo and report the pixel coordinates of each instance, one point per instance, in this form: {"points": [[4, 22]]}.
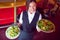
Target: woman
{"points": [[28, 20]]}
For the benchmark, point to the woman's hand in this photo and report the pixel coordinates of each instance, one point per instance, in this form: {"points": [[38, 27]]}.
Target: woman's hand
{"points": [[38, 29], [18, 24]]}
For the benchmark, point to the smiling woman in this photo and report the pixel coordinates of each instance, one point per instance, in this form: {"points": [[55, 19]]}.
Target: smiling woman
{"points": [[28, 20]]}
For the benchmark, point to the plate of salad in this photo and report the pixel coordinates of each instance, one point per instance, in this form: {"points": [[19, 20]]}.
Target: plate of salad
{"points": [[12, 32], [46, 25]]}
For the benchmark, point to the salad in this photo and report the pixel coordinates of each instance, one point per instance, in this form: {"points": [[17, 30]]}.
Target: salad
{"points": [[12, 32], [46, 25]]}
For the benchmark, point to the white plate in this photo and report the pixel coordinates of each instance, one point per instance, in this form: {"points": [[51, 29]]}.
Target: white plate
{"points": [[47, 31], [9, 37]]}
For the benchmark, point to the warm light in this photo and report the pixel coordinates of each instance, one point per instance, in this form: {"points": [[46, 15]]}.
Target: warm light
{"points": [[51, 1], [12, 4], [38, 0], [24, 3]]}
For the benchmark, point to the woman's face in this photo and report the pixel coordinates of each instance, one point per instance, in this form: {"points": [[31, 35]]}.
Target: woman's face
{"points": [[32, 7]]}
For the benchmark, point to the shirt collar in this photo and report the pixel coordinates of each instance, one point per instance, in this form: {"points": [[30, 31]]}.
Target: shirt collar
{"points": [[32, 13]]}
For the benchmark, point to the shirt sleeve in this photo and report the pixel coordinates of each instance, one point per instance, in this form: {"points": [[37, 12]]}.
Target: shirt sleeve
{"points": [[40, 17], [20, 19]]}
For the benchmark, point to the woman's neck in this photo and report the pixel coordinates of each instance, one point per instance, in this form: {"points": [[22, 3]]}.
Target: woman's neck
{"points": [[31, 12]]}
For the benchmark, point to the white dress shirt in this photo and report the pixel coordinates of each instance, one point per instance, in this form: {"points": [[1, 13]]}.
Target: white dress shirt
{"points": [[30, 18]]}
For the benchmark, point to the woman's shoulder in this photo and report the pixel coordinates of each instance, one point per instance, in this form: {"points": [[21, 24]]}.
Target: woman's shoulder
{"points": [[25, 11], [38, 12]]}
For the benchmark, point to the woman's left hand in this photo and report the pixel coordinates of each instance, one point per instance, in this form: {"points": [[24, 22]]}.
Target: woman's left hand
{"points": [[38, 29]]}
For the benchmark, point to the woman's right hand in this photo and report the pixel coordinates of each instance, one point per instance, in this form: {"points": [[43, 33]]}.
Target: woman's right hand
{"points": [[18, 24]]}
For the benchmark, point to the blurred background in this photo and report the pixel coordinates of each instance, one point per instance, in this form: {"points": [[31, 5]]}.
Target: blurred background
{"points": [[50, 9]]}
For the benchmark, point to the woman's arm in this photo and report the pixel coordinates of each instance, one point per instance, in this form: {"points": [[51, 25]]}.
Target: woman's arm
{"points": [[38, 29], [20, 20]]}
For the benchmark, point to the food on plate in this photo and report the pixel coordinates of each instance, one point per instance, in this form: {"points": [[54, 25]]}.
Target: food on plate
{"points": [[45, 25], [12, 31]]}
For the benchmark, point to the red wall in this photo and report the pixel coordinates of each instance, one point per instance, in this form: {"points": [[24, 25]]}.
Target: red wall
{"points": [[6, 15]]}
